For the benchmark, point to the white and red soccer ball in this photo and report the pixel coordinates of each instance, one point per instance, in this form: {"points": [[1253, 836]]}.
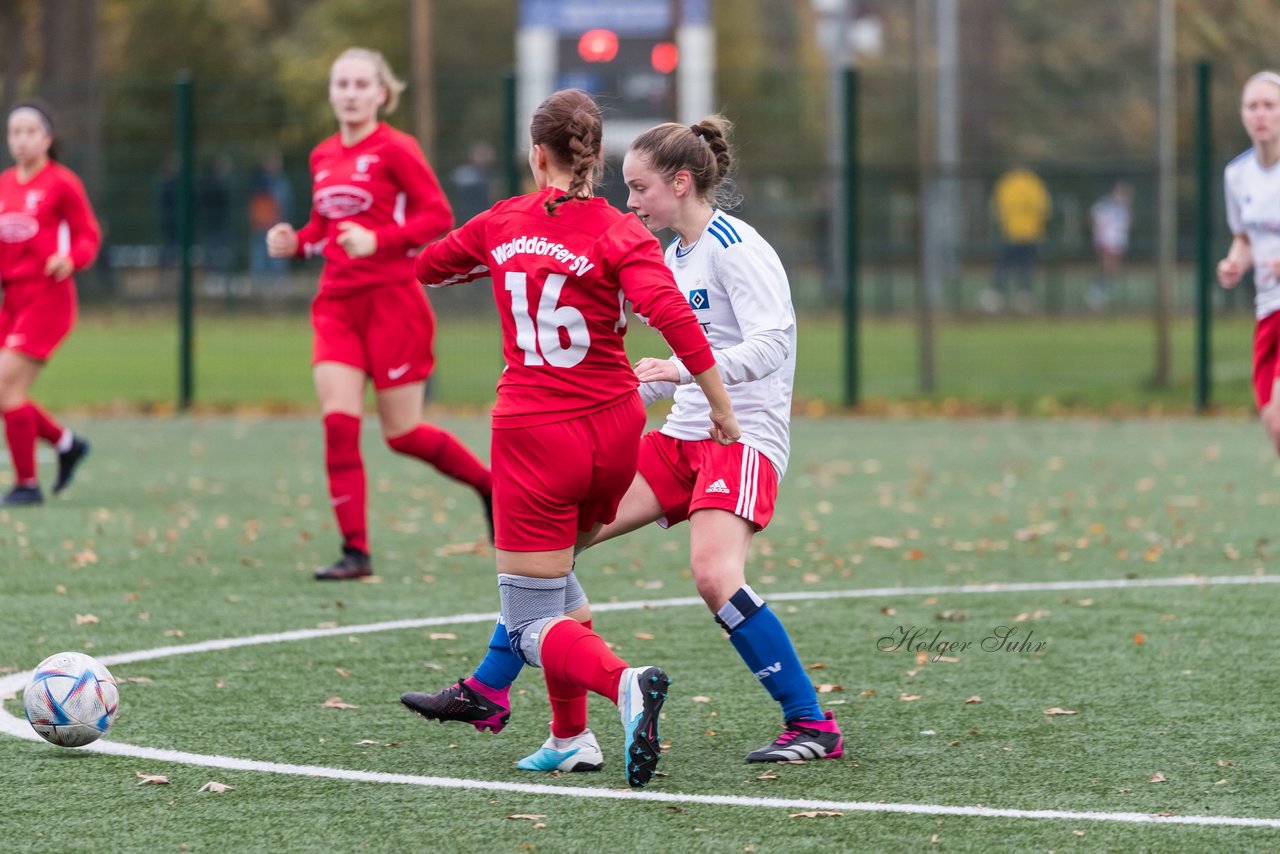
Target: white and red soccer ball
{"points": [[71, 699]]}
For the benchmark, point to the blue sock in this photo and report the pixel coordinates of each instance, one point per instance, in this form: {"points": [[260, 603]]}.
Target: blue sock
{"points": [[762, 641], [500, 666]]}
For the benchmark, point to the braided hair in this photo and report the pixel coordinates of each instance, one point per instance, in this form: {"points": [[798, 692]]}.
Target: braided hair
{"points": [[569, 127]]}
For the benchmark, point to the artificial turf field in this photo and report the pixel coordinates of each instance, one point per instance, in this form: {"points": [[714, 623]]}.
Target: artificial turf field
{"points": [[181, 531]]}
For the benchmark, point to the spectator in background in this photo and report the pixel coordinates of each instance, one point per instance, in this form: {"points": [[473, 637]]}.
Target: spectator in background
{"points": [[473, 182], [215, 217], [270, 201], [1022, 206], [1109, 220]]}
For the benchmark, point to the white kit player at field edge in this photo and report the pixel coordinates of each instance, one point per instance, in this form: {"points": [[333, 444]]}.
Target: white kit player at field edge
{"points": [[1252, 186]]}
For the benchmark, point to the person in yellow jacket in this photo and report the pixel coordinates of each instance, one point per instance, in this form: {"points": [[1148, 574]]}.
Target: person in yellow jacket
{"points": [[1022, 206]]}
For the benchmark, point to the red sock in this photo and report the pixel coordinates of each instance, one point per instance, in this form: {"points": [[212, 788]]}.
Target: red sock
{"points": [[442, 449], [49, 430], [573, 653], [346, 477], [20, 433], [568, 704]]}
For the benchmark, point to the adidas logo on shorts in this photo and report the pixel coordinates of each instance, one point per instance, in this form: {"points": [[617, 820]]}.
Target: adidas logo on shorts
{"points": [[718, 486]]}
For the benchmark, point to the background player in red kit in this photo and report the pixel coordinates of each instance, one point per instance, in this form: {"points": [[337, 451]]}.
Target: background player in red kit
{"points": [[47, 232], [567, 423], [374, 201]]}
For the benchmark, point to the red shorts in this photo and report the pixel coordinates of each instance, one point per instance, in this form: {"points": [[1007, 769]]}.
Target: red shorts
{"points": [[554, 480], [386, 332], [688, 476], [1266, 348], [35, 317]]}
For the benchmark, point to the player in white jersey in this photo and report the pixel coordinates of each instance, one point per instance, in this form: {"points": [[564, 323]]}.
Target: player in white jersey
{"points": [[1252, 185], [678, 179]]}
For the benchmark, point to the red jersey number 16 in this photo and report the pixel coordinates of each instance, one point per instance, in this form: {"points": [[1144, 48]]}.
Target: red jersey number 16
{"points": [[539, 335]]}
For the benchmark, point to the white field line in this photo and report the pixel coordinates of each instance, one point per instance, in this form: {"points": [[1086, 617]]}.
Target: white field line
{"points": [[10, 725]]}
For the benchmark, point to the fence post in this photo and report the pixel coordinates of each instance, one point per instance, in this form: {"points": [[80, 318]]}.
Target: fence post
{"points": [[1204, 237], [852, 370], [509, 150], [184, 121]]}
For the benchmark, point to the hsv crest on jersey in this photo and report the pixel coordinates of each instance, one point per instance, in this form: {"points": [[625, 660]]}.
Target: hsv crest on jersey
{"points": [[342, 200], [698, 299]]}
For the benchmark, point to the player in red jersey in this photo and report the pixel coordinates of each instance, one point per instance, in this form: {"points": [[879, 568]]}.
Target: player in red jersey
{"points": [[567, 423], [374, 201], [47, 232]]}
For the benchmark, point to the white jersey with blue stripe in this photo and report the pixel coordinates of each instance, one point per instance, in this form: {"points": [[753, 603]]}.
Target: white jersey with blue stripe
{"points": [[738, 290], [1253, 209]]}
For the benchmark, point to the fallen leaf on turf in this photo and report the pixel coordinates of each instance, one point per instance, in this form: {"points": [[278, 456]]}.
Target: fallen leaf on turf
{"points": [[817, 665], [328, 624], [442, 636], [86, 619], [172, 633], [368, 741], [215, 787], [888, 611], [130, 597], [815, 814], [1157, 777], [870, 692], [151, 779], [884, 542], [1139, 638], [974, 699], [220, 684], [345, 674], [827, 688], [701, 699], [768, 775], [642, 636], [336, 703], [472, 548], [1077, 833], [527, 816], [1056, 711], [1223, 763], [908, 698]]}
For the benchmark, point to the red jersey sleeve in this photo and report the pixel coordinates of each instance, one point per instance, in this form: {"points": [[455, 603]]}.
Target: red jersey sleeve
{"points": [[648, 283], [311, 235], [457, 257], [86, 236], [427, 213]]}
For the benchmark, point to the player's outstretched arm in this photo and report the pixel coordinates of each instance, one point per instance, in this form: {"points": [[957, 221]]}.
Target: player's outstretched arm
{"points": [[725, 429]]}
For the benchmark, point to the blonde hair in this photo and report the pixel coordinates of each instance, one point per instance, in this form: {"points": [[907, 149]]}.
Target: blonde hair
{"points": [[386, 77]]}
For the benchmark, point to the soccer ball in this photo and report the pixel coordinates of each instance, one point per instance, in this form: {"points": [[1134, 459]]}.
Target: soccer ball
{"points": [[71, 699]]}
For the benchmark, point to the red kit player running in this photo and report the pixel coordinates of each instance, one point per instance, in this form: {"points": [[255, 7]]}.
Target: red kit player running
{"points": [[47, 232], [567, 423], [375, 200]]}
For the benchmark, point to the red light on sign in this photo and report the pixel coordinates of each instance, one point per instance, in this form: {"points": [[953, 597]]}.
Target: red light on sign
{"points": [[598, 46], [664, 57]]}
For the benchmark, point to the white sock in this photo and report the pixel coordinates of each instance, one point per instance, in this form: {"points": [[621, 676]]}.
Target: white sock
{"points": [[65, 441]]}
